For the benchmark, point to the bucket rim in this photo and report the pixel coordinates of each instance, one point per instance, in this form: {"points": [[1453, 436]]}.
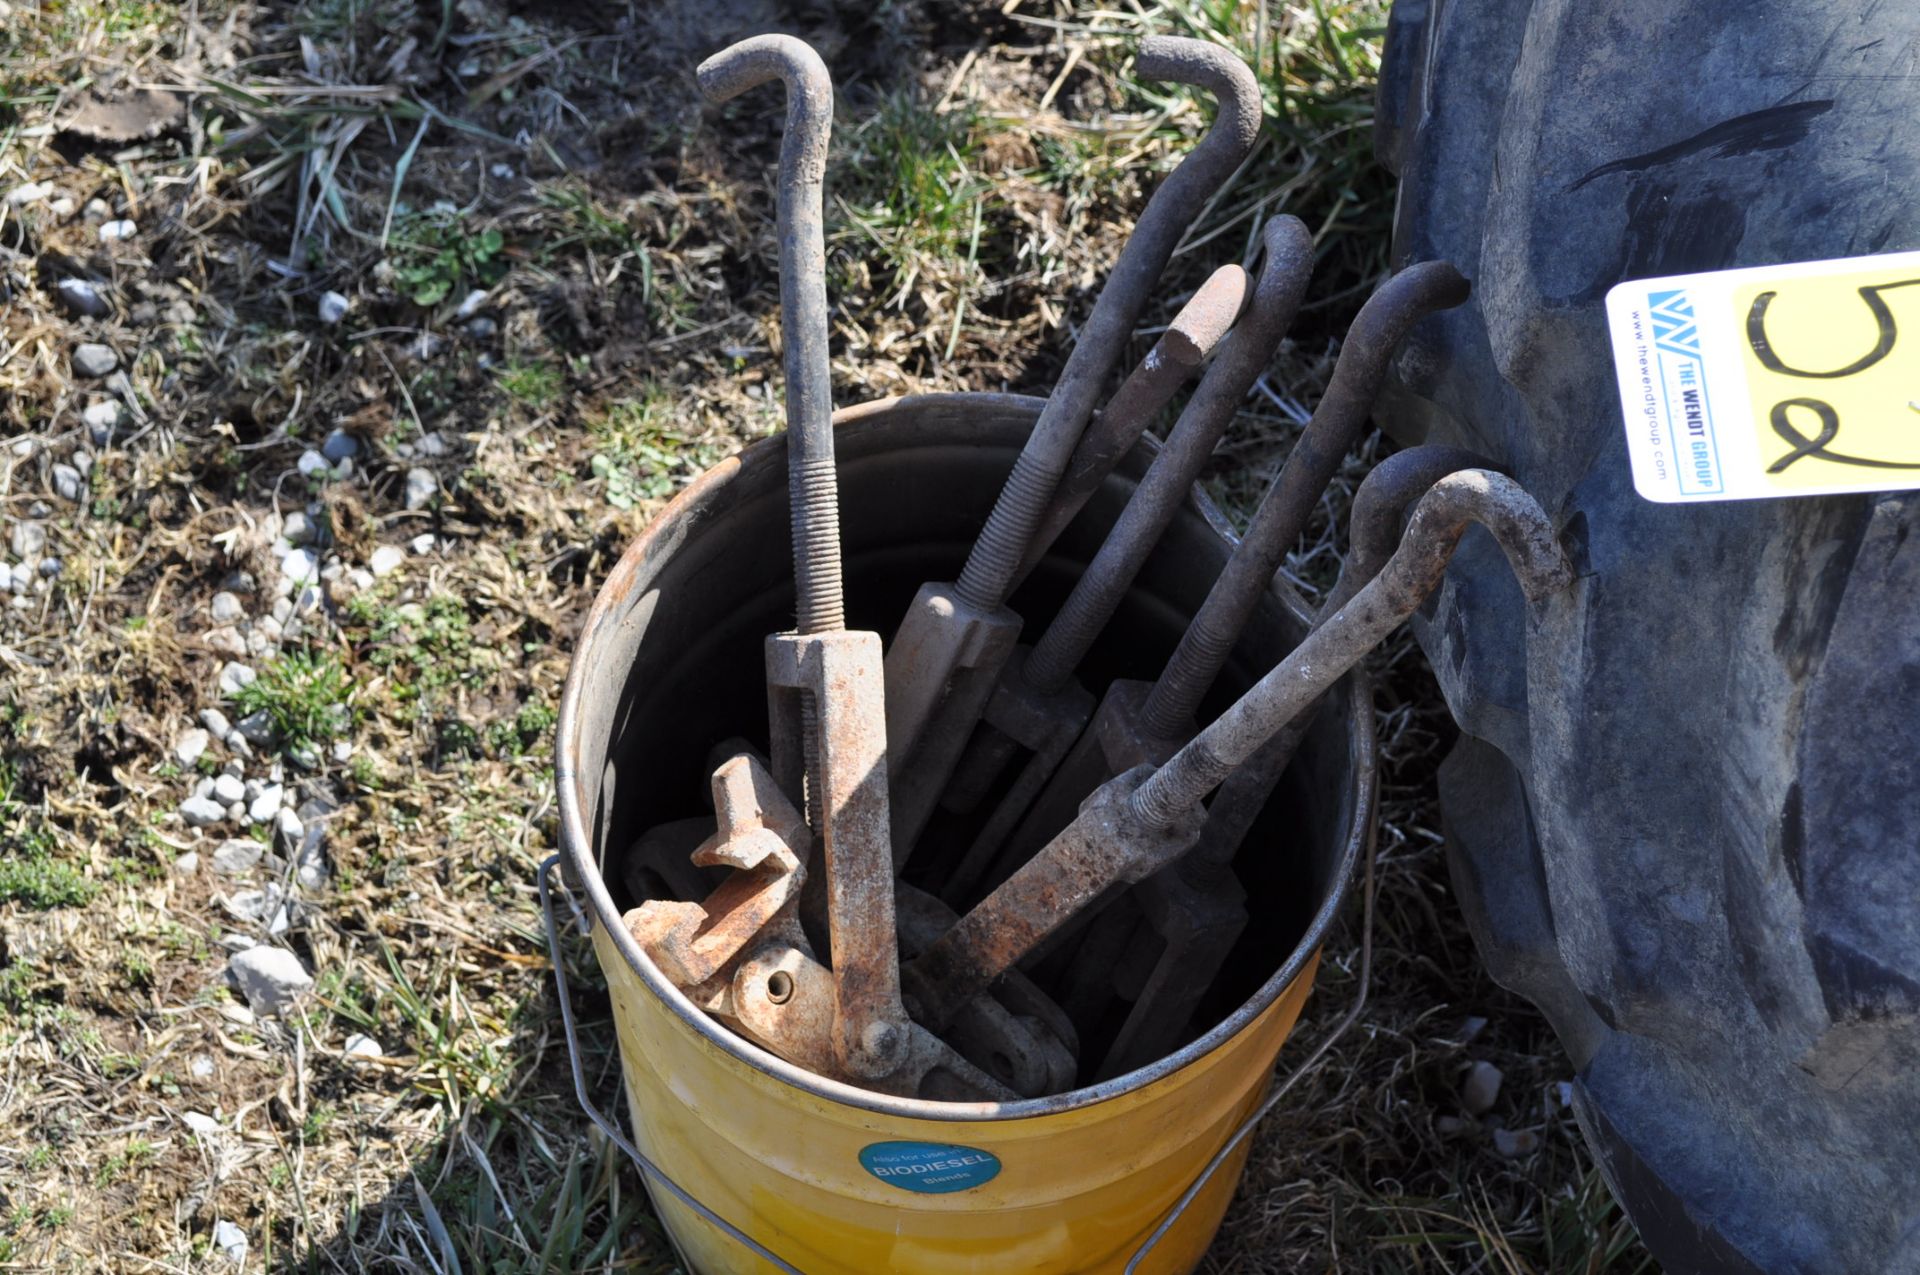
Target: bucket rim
{"points": [[582, 873]]}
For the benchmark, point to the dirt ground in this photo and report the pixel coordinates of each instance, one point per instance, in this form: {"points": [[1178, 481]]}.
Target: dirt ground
{"points": [[344, 344]]}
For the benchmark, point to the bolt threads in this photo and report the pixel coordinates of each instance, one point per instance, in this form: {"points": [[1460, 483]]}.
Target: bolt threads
{"points": [[1177, 787], [1175, 697], [816, 547], [988, 575]]}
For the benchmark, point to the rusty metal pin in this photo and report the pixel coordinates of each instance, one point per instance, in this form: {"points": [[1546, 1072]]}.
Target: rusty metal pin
{"points": [[1195, 330], [1041, 685], [965, 628], [811, 482], [1139, 822], [1195, 906], [1337, 423], [1139, 723]]}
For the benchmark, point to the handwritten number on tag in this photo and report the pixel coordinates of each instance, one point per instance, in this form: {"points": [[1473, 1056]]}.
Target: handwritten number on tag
{"points": [[1780, 417]]}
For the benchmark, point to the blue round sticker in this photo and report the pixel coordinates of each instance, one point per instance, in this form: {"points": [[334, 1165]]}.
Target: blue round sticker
{"points": [[929, 1168]]}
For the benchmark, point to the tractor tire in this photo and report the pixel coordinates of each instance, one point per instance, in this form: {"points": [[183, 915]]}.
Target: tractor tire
{"points": [[1684, 812]]}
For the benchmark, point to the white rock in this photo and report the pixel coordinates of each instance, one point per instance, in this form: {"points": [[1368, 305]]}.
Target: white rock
{"points": [[82, 463], [267, 804], [333, 307], [187, 864], [339, 445], [97, 210], [190, 744], [387, 559], [502, 171], [302, 566], [312, 462], [237, 857], [6, 578], [432, 444], [226, 639], [111, 231], [471, 303], [27, 540], [90, 358], [231, 1241], [256, 905], [201, 1067], [234, 676], [61, 207], [227, 790], [360, 578], [298, 530], [227, 609], [234, 768], [200, 1122], [422, 543], [233, 942], [288, 826], [102, 418], [30, 193], [81, 297], [216, 722], [202, 812], [360, 1045], [268, 627], [204, 788], [237, 811], [422, 487], [68, 483], [1481, 1089], [1514, 1143]]}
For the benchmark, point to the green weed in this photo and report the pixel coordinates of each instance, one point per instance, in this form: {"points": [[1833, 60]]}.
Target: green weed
{"points": [[641, 457], [438, 253], [306, 694], [536, 384]]}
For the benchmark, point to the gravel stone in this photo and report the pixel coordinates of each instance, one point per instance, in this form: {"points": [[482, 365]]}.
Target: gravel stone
{"points": [[29, 193], [202, 812], [227, 790], [1481, 1089], [482, 328], [361, 1045], [51, 567], [68, 483], [471, 303], [102, 417], [312, 462], [340, 445], [27, 540], [271, 978], [216, 722], [237, 857], [81, 298], [240, 582], [432, 444], [422, 543], [93, 359], [97, 211], [387, 559], [234, 676], [187, 864], [291, 830], [422, 487], [301, 566], [227, 609], [332, 307], [1514, 1143], [111, 231], [189, 745], [227, 640], [255, 728], [267, 804]]}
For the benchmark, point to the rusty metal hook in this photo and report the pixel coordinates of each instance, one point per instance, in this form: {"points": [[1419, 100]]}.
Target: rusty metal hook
{"points": [[811, 482], [1140, 821]]}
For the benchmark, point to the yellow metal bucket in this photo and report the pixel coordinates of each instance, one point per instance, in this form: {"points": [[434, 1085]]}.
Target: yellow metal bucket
{"points": [[750, 1153]]}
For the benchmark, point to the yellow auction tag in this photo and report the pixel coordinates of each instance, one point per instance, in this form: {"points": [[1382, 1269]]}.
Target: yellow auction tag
{"points": [[1793, 380]]}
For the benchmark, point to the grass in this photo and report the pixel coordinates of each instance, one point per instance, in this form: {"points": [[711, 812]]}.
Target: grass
{"points": [[986, 168], [306, 694]]}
